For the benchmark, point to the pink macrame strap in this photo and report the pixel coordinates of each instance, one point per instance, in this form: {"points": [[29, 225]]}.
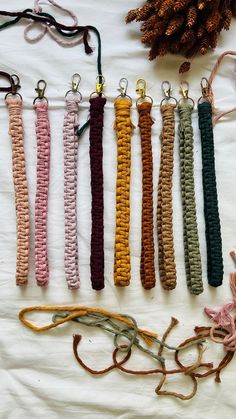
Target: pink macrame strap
{"points": [[226, 317], [218, 114], [14, 104], [70, 140], [43, 29], [41, 201]]}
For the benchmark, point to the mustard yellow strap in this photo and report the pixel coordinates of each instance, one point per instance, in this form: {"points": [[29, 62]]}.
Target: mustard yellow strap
{"points": [[123, 127]]}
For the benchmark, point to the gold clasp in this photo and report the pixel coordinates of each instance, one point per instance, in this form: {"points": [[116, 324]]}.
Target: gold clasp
{"points": [[123, 86], [184, 89], [75, 82], [100, 84], [40, 89], [205, 87], [141, 88], [166, 88]]}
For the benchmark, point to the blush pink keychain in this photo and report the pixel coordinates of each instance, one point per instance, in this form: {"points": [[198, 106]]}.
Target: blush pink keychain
{"points": [[70, 140], [42, 184]]}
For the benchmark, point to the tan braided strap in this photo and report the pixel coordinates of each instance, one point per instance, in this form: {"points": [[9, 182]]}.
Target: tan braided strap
{"points": [[21, 190], [123, 127], [147, 269], [166, 254]]}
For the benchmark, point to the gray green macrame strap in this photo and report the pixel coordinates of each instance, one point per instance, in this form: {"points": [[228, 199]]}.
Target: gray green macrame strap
{"points": [[191, 241], [215, 269]]}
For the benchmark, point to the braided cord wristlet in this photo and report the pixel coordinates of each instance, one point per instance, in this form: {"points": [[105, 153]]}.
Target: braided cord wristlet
{"points": [[42, 186], [124, 127], [212, 219], [147, 269], [96, 163], [21, 189], [191, 241], [166, 254], [70, 140]]}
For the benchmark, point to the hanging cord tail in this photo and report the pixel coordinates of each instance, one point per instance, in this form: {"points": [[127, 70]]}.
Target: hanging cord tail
{"points": [[124, 128], [166, 253], [191, 241], [211, 211], [14, 104], [96, 165], [70, 141], [63, 30], [147, 268], [43, 138]]}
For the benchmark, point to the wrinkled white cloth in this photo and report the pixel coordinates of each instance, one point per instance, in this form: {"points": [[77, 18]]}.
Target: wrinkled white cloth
{"points": [[39, 375]]}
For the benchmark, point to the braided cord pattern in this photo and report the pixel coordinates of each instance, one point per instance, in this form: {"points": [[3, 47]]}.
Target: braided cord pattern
{"points": [[124, 127], [70, 141], [42, 185], [96, 164], [166, 254], [21, 189], [212, 219], [191, 240], [147, 268]]}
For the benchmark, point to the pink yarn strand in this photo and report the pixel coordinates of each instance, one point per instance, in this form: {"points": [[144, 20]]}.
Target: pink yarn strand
{"points": [[70, 140], [41, 201], [225, 318]]}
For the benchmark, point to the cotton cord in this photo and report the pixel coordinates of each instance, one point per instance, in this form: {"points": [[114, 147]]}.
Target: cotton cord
{"points": [[167, 267], [147, 268], [212, 219], [96, 165], [70, 141], [42, 187], [191, 241], [21, 188], [124, 128]]}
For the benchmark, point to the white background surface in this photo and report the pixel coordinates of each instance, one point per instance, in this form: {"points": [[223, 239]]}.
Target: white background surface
{"points": [[39, 375]]}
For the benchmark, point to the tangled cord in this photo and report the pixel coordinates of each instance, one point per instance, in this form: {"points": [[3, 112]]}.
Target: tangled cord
{"points": [[124, 326], [191, 241], [123, 127], [167, 267], [147, 269]]}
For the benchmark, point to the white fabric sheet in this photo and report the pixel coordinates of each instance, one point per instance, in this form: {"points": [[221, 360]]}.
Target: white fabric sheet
{"points": [[39, 375]]}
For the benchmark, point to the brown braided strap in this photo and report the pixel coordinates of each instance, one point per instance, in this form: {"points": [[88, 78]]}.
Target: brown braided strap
{"points": [[166, 254], [21, 190], [147, 269]]}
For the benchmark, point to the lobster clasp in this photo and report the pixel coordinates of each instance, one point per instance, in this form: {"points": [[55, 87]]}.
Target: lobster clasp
{"points": [[184, 89], [141, 87]]}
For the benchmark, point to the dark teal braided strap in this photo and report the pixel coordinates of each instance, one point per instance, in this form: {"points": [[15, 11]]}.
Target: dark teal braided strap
{"points": [[212, 219]]}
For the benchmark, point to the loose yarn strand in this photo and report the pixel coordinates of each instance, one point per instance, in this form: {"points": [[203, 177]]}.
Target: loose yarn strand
{"points": [[147, 268], [124, 127], [70, 141], [42, 187], [96, 164], [167, 267], [21, 188], [191, 241], [212, 219]]}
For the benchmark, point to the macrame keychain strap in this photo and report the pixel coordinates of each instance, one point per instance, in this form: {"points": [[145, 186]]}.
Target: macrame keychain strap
{"points": [[14, 103], [43, 135], [166, 253], [70, 140], [97, 104], [124, 128], [211, 211], [144, 106], [191, 241]]}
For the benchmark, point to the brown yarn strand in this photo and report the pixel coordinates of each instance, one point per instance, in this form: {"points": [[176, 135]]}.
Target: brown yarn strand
{"points": [[147, 269], [167, 267]]}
